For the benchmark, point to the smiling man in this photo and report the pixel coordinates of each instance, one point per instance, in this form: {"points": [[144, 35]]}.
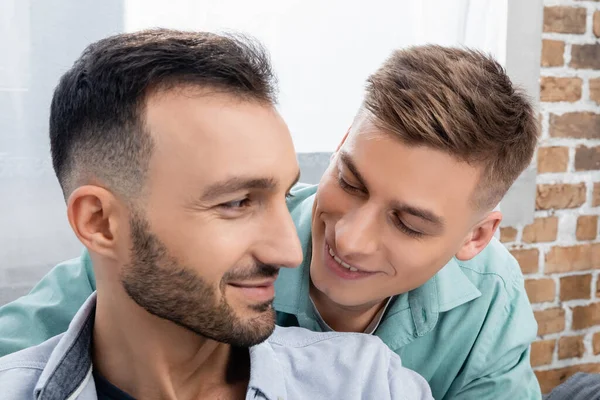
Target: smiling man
{"points": [[398, 236], [176, 165]]}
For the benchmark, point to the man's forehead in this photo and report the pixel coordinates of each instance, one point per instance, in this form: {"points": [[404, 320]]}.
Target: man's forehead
{"points": [[214, 142], [215, 126], [414, 177], [175, 113], [364, 123]]}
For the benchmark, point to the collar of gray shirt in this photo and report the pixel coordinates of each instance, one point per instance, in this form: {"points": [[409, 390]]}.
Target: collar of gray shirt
{"points": [[68, 371]]}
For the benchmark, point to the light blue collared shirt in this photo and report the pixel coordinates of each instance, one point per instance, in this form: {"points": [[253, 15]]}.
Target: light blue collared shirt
{"points": [[293, 363]]}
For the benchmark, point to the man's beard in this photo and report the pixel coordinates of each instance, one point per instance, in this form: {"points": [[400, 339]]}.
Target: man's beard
{"points": [[163, 287]]}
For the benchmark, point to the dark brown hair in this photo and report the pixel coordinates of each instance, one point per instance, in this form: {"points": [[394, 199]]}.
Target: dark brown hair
{"points": [[461, 102], [96, 117]]}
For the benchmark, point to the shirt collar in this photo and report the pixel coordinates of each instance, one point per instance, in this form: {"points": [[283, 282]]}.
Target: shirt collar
{"points": [[69, 367], [454, 287], [265, 373]]}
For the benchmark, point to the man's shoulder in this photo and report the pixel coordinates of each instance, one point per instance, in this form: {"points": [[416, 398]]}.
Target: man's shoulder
{"points": [[344, 364], [78, 269], [35, 357], [20, 371], [301, 197], [330, 349], [49, 308], [81, 265], [295, 337]]}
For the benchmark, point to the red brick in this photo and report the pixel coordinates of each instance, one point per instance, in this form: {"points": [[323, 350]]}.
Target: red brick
{"points": [[551, 320], [541, 352], [585, 56], [540, 290], [587, 227], [578, 125], [586, 316], [541, 230], [560, 196], [596, 343], [564, 19], [553, 89], [595, 90], [575, 287], [553, 53], [508, 234], [528, 260], [570, 347], [573, 258], [596, 195], [552, 159], [587, 158]]}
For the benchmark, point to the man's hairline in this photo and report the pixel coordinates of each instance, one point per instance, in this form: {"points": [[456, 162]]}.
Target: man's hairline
{"points": [[182, 88], [384, 129]]}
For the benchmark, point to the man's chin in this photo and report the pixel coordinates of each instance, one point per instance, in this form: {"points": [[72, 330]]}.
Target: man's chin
{"points": [[258, 315], [263, 308], [258, 323]]}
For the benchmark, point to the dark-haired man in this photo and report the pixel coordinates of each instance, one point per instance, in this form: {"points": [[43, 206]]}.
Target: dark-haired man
{"points": [[175, 166]]}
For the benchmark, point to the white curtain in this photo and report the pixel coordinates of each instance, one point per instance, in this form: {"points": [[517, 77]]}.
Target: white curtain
{"points": [[321, 50]]}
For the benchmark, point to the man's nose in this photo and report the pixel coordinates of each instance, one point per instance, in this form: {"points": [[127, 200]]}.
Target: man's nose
{"points": [[281, 245], [357, 234]]}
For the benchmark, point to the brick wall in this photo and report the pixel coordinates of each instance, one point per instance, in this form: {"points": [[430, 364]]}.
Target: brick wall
{"points": [[559, 252]]}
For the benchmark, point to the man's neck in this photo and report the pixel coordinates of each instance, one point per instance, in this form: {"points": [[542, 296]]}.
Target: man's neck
{"points": [[151, 358], [341, 318]]}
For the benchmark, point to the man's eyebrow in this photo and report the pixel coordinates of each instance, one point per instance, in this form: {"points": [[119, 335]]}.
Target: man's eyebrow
{"points": [[349, 163], [422, 213], [418, 212], [237, 184]]}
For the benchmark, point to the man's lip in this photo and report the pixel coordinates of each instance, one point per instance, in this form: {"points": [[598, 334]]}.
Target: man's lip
{"points": [[254, 284], [257, 291], [360, 269]]}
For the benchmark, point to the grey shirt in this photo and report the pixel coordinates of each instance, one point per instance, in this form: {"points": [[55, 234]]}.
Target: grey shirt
{"points": [[293, 363]]}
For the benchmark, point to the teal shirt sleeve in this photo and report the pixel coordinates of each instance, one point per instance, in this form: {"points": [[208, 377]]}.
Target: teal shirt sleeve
{"points": [[49, 308]]}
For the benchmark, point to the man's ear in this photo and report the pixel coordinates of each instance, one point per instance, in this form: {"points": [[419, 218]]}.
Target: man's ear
{"points": [[480, 236], [93, 214]]}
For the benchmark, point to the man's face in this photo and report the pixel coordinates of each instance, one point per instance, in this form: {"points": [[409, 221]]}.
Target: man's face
{"points": [[207, 242], [387, 217]]}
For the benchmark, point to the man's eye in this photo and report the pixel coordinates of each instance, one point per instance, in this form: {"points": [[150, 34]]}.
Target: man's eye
{"points": [[348, 187], [243, 203], [406, 230]]}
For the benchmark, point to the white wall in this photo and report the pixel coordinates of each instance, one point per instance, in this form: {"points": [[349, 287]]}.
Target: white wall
{"points": [[39, 40], [324, 50]]}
